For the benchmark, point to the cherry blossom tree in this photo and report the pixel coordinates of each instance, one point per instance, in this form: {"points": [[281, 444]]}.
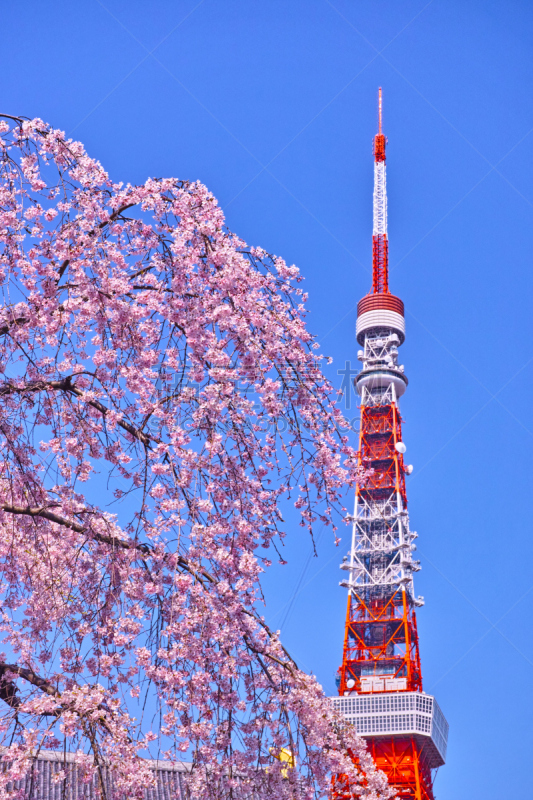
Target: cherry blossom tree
{"points": [[147, 355]]}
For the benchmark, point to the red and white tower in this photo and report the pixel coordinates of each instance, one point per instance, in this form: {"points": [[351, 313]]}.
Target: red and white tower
{"points": [[380, 680]]}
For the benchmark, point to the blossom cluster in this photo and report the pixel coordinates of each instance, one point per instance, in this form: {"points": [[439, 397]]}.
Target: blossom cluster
{"points": [[137, 513]]}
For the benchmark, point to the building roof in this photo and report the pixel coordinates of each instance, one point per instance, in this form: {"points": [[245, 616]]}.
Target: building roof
{"points": [[39, 783]]}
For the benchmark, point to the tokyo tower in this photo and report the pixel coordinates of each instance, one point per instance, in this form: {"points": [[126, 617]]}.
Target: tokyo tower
{"points": [[380, 680]]}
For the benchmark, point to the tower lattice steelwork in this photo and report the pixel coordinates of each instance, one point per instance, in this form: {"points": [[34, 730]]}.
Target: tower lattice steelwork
{"points": [[380, 680]]}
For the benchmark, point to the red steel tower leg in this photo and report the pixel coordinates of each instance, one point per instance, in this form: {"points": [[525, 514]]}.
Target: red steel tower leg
{"points": [[380, 680]]}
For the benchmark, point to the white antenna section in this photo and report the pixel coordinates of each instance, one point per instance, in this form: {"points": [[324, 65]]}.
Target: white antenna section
{"points": [[380, 199]]}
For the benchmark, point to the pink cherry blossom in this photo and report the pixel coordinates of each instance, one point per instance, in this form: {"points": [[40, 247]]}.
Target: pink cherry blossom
{"points": [[148, 356]]}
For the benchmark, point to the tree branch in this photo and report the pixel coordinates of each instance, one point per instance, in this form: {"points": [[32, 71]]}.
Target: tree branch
{"points": [[66, 385], [30, 676], [42, 511], [18, 321], [200, 575], [112, 217], [12, 699]]}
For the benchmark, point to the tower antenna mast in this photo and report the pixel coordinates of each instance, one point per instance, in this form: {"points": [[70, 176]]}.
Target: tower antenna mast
{"points": [[380, 244]]}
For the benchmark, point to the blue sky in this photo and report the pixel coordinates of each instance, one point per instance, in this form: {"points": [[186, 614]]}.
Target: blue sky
{"points": [[272, 105]]}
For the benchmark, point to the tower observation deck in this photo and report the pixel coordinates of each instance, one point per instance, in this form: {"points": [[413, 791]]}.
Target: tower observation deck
{"points": [[380, 679]]}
